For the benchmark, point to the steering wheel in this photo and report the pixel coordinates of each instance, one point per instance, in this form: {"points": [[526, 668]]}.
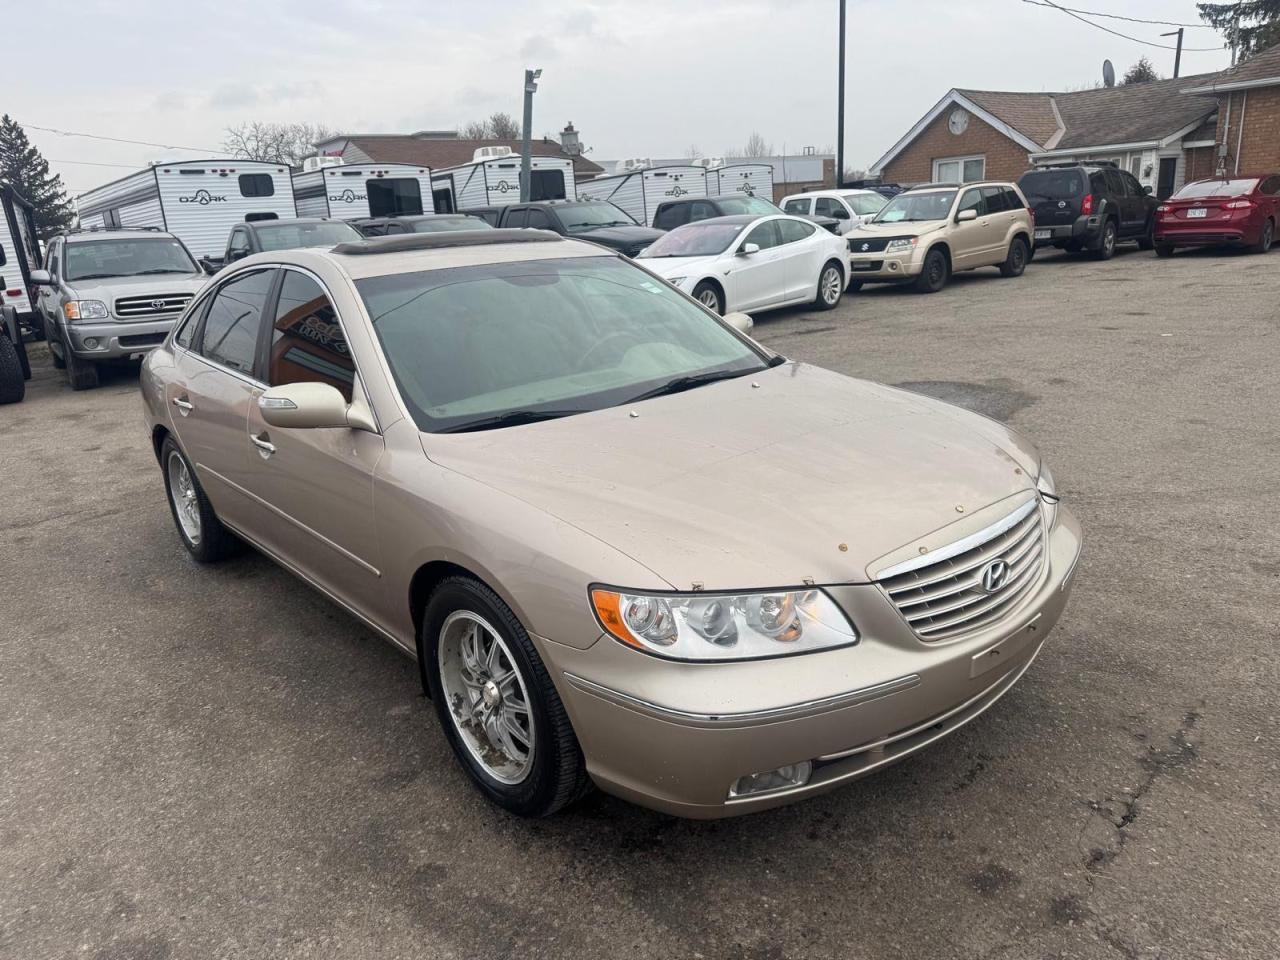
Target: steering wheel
{"points": [[599, 345]]}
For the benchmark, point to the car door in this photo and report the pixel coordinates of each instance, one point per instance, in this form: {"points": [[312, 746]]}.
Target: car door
{"points": [[1143, 206], [970, 240], [214, 386], [47, 296], [317, 483], [757, 279], [1127, 200], [803, 257], [1003, 213]]}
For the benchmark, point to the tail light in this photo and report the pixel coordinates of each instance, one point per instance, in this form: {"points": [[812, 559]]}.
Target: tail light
{"points": [[1238, 205], [1086, 208], [1032, 214], [1163, 208]]}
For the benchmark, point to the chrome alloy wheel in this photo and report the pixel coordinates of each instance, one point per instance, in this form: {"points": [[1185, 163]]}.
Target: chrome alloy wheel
{"points": [[708, 298], [182, 491], [829, 284], [486, 696]]}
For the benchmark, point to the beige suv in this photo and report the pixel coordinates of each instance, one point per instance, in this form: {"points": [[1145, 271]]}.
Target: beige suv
{"points": [[925, 234], [626, 543]]}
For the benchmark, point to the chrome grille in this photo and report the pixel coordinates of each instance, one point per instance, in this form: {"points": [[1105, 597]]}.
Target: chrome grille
{"points": [[947, 597], [145, 308]]}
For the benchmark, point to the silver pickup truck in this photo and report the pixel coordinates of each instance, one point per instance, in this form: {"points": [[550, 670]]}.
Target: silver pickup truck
{"points": [[111, 294]]}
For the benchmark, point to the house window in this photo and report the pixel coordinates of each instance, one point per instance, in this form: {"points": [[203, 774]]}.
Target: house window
{"points": [[959, 169], [1135, 165], [257, 185]]}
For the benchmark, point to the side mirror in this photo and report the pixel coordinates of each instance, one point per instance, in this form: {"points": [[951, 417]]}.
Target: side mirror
{"points": [[748, 248], [739, 321], [40, 278], [840, 213], [1147, 190], [964, 216], [208, 265], [305, 406]]}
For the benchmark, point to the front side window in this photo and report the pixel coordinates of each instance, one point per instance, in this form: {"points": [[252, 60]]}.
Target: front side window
{"points": [[257, 185], [234, 319], [470, 344], [538, 219], [239, 245], [830, 207], [307, 342], [394, 196], [915, 207], [702, 239], [972, 200], [293, 236], [764, 235], [99, 259]]}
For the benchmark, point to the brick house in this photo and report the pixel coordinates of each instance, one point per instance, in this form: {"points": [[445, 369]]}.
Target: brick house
{"points": [[1164, 132]]}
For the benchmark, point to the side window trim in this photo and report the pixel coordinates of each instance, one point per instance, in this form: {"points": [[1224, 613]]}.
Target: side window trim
{"points": [[194, 319], [197, 340]]}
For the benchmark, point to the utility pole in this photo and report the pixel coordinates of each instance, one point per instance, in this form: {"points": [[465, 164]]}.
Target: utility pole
{"points": [[1177, 57], [840, 107], [526, 150]]}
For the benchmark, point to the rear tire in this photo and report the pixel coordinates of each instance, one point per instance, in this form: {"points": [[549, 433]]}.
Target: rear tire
{"points": [[937, 270], [1264, 241], [830, 286], [13, 385], [199, 528], [1164, 250], [1107, 242], [515, 743], [709, 295], [1016, 260]]}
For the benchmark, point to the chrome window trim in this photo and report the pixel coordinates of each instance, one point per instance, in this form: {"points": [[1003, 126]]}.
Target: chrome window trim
{"points": [[961, 545]]}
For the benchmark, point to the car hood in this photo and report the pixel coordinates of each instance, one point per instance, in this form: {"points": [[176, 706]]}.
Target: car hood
{"points": [[809, 476], [680, 266], [626, 236], [109, 288], [899, 229]]}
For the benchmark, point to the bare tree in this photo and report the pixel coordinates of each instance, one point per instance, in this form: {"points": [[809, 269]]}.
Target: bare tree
{"points": [[692, 152], [475, 130], [498, 126], [756, 146], [275, 142], [854, 173]]}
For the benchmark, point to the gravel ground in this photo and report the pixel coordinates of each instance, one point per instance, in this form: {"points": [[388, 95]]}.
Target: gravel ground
{"points": [[220, 763]]}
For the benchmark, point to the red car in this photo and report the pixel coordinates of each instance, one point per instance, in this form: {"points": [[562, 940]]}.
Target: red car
{"points": [[1240, 211]]}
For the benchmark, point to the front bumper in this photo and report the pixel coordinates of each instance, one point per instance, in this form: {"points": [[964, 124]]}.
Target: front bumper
{"points": [[1083, 230], [112, 339], [674, 737], [885, 267]]}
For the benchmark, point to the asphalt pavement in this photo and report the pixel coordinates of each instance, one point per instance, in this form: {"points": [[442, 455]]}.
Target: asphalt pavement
{"points": [[219, 763]]}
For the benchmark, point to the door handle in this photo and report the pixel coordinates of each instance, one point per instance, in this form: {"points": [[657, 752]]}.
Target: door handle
{"points": [[266, 447], [183, 404]]}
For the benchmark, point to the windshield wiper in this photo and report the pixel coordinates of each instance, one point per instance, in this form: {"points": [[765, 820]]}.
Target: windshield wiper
{"points": [[143, 273], [512, 418], [680, 384], [95, 276]]}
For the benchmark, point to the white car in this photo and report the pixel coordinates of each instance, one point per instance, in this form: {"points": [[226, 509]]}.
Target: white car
{"points": [[852, 208], [746, 262]]}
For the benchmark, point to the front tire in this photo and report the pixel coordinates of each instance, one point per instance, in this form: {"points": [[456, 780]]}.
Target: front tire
{"points": [[935, 273], [81, 374], [202, 533], [1107, 242], [496, 703], [1265, 240], [1015, 262], [13, 385], [1164, 250], [830, 286], [709, 295]]}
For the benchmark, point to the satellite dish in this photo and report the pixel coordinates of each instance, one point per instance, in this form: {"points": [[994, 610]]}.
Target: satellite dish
{"points": [[1108, 73]]}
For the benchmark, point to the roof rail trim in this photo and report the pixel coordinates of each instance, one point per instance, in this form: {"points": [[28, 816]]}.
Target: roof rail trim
{"points": [[403, 243]]}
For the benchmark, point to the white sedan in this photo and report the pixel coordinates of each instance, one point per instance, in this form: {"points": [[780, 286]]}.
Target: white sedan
{"points": [[752, 262]]}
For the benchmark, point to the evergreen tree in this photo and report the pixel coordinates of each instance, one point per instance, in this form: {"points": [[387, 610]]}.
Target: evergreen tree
{"points": [[1248, 25], [1141, 72], [24, 169]]}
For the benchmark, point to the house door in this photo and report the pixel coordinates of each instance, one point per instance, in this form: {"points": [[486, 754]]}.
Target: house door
{"points": [[1168, 170]]}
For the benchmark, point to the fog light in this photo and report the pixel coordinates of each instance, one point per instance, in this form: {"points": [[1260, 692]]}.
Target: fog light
{"points": [[893, 266], [91, 343], [792, 775]]}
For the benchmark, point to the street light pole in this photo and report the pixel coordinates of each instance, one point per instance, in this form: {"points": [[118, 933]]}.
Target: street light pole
{"points": [[1177, 57], [840, 107], [526, 150]]}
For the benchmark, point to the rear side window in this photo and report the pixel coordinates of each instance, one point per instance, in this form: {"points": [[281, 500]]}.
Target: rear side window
{"points": [[1052, 184], [1012, 200], [234, 320], [1097, 184], [517, 218], [793, 230], [1115, 184], [307, 343], [257, 185], [994, 198], [797, 206], [538, 219], [671, 215]]}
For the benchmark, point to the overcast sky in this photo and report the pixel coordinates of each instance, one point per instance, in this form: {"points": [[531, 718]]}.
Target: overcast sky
{"points": [[637, 77]]}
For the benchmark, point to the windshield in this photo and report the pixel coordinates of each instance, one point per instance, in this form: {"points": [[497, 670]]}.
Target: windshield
{"points": [[449, 224], [910, 207], [1052, 185], [703, 239], [750, 205], [467, 344], [865, 203], [97, 259], [1216, 188], [291, 236], [588, 216]]}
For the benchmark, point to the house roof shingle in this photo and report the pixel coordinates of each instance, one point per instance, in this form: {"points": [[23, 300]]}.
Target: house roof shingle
{"points": [[448, 152], [1031, 114], [1132, 113], [1264, 65]]}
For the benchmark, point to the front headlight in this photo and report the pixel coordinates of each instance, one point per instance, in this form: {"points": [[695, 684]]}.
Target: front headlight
{"points": [[722, 626], [676, 281], [1044, 483], [84, 310], [901, 245]]}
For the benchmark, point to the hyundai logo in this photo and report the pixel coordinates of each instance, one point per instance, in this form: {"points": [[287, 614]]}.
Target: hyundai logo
{"points": [[994, 576]]}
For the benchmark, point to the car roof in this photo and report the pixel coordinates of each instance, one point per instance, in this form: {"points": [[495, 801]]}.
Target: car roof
{"points": [[255, 224], [834, 191], [85, 235], [416, 252]]}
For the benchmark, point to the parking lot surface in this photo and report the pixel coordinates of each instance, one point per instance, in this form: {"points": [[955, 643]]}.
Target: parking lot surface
{"points": [[217, 762]]}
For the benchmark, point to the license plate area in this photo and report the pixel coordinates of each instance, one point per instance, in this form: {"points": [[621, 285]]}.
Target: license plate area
{"points": [[1197, 213], [1043, 234], [1004, 651]]}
